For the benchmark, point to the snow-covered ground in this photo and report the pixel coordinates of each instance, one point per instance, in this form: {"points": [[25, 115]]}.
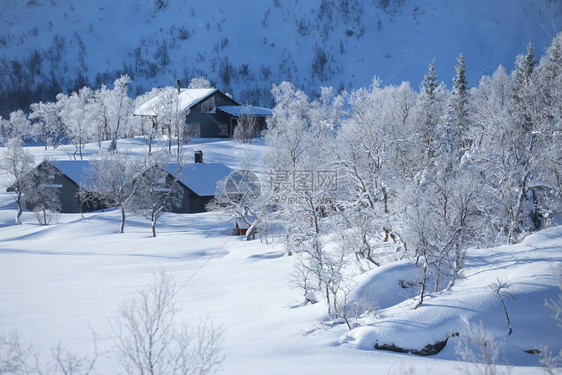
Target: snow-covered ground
{"points": [[59, 283]]}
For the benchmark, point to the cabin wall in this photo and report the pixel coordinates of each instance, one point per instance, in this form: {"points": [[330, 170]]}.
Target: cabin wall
{"points": [[67, 193], [191, 203], [209, 122]]}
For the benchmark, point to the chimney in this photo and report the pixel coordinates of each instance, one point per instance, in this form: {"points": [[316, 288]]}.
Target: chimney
{"points": [[178, 83], [198, 157]]}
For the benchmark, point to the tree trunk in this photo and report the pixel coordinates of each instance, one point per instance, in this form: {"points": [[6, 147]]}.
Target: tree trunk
{"points": [[153, 224], [122, 229], [422, 292], [251, 232], [20, 209], [169, 141], [436, 289]]}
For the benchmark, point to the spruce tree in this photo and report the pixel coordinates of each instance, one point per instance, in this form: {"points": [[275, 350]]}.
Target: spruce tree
{"points": [[523, 90], [429, 83], [428, 105], [524, 67], [459, 102], [554, 56]]}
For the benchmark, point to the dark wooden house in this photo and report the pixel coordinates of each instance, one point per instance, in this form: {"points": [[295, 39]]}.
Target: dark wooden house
{"points": [[209, 113], [67, 177], [198, 183]]}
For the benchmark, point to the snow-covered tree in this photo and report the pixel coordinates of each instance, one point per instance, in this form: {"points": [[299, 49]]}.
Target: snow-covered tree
{"points": [[299, 149], [199, 83], [524, 90], [47, 125], [173, 120], [373, 149], [76, 116], [429, 110], [159, 192], [550, 80], [115, 180], [42, 195], [459, 104], [241, 197], [17, 163], [514, 130], [150, 340], [148, 126], [98, 105], [17, 126], [111, 111], [246, 127], [524, 67], [120, 109]]}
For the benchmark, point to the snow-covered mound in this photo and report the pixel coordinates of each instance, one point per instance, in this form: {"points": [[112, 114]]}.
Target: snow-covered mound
{"points": [[529, 268]]}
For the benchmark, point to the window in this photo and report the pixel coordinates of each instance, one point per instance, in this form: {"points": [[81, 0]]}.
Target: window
{"points": [[223, 129], [194, 130], [208, 105]]}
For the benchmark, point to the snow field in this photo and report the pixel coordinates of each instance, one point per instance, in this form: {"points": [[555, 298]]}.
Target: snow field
{"points": [[61, 282]]}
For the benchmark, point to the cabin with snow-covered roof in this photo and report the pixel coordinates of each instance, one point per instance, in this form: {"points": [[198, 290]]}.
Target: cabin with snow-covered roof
{"points": [[67, 177], [209, 113], [198, 183]]}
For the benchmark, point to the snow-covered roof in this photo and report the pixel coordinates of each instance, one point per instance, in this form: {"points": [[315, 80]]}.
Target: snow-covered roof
{"points": [[187, 99], [239, 110], [76, 170], [202, 178]]}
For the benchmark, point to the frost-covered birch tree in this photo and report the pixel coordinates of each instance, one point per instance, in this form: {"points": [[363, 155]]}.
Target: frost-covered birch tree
{"points": [[148, 126], [159, 191], [47, 125], [16, 126], [17, 164], [116, 180], [373, 148], [76, 115], [120, 109]]}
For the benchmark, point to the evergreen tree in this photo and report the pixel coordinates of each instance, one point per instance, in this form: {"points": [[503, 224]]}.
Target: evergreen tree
{"points": [[429, 110], [524, 67], [447, 153], [523, 93], [553, 58], [429, 84], [459, 102]]}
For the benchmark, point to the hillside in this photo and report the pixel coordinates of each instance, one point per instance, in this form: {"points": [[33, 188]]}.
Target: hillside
{"points": [[49, 46]]}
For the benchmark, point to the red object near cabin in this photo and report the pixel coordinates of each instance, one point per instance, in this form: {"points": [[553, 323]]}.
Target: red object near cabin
{"points": [[241, 231]]}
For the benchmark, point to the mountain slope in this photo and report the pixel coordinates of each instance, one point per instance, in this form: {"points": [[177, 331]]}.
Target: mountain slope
{"points": [[49, 46]]}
